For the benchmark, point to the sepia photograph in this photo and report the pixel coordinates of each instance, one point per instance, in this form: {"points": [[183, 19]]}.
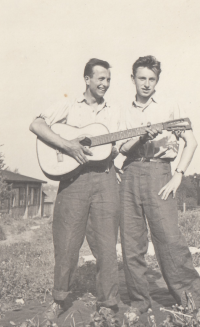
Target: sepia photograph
{"points": [[99, 163]]}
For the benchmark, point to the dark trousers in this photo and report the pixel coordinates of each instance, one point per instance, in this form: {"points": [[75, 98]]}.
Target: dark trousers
{"points": [[139, 198], [93, 193]]}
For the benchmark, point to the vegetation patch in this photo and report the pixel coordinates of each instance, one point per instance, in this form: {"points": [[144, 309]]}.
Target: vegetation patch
{"points": [[27, 267], [2, 234]]}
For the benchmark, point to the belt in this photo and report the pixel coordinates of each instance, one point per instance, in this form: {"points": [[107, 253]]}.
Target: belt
{"points": [[143, 159]]}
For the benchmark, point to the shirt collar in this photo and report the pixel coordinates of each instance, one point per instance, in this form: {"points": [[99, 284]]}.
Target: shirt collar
{"points": [[142, 106], [81, 98], [102, 105]]}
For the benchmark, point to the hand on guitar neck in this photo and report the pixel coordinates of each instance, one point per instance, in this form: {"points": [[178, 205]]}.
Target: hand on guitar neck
{"points": [[151, 133]]}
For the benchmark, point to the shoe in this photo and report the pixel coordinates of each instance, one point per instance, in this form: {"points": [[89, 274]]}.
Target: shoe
{"points": [[114, 309], [54, 311], [68, 302]]}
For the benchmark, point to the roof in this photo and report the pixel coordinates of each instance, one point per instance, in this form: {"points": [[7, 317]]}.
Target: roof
{"points": [[50, 196], [13, 177]]}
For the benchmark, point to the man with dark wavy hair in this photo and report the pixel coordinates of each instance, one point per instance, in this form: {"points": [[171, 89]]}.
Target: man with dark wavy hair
{"points": [[149, 62], [91, 193], [148, 192]]}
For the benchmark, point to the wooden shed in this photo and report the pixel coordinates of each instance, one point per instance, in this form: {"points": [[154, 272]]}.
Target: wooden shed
{"points": [[49, 197], [26, 200]]}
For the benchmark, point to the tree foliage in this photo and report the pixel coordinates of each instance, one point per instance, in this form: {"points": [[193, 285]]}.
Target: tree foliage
{"points": [[187, 191], [5, 188]]}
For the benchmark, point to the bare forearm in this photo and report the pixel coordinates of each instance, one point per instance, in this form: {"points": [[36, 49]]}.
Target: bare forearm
{"points": [[134, 143], [188, 151], [187, 154], [130, 146], [72, 148], [43, 131]]}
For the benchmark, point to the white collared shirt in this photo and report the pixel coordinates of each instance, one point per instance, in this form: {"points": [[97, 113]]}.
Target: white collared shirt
{"points": [[155, 111], [78, 113]]}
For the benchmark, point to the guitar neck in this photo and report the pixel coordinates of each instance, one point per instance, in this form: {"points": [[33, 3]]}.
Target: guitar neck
{"points": [[113, 137]]}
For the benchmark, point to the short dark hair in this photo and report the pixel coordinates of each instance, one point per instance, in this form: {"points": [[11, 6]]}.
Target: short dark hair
{"points": [[149, 62], [88, 71]]}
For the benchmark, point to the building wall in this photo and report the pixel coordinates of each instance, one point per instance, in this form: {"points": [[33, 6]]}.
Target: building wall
{"points": [[25, 201], [48, 209], [17, 212], [33, 210]]}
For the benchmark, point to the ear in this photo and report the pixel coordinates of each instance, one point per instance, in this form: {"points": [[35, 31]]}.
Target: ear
{"points": [[87, 80], [133, 79]]}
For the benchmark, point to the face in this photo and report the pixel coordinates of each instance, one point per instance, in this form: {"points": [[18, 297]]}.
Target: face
{"points": [[99, 82], [145, 81]]}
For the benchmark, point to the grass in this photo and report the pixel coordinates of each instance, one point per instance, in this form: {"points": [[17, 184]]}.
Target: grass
{"points": [[27, 266], [2, 234], [189, 224]]}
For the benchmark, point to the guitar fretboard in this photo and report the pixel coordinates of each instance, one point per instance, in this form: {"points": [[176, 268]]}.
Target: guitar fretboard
{"points": [[113, 137]]}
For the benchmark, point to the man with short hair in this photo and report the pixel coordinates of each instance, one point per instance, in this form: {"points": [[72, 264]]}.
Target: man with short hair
{"points": [[93, 192], [148, 189]]}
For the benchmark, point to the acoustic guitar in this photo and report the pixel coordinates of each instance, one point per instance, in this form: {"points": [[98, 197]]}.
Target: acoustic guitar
{"points": [[57, 165]]}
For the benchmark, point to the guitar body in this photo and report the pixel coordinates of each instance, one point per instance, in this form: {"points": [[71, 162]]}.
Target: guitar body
{"points": [[56, 165]]}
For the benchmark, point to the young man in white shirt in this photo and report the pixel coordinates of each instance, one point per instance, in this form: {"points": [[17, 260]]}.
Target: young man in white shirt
{"points": [[92, 192], [148, 190]]}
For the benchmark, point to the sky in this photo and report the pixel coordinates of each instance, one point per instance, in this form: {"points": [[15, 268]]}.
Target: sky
{"points": [[45, 44]]}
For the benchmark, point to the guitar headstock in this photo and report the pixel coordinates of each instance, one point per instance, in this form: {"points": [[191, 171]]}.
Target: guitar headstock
{"points": [[181, 124]]}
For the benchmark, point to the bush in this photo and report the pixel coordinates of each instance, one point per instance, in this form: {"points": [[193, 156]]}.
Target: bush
{"points": [[189, 224]]}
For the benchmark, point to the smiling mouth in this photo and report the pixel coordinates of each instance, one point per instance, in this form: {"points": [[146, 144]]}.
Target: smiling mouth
{"points": [[102, 89]]}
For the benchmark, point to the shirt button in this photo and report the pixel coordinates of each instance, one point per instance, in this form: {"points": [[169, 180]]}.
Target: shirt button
{"points": [[141, 123]]}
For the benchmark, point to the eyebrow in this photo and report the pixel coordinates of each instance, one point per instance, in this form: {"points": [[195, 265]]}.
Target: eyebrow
{"points": [[146, 77]]}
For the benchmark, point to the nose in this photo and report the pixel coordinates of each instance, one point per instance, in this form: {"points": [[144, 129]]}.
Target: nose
{"points": [[106, 83], [146, 84]]}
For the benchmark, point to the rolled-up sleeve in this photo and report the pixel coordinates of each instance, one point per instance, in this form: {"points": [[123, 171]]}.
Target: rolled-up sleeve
{"points": [[58, 112], [179, 111]]}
